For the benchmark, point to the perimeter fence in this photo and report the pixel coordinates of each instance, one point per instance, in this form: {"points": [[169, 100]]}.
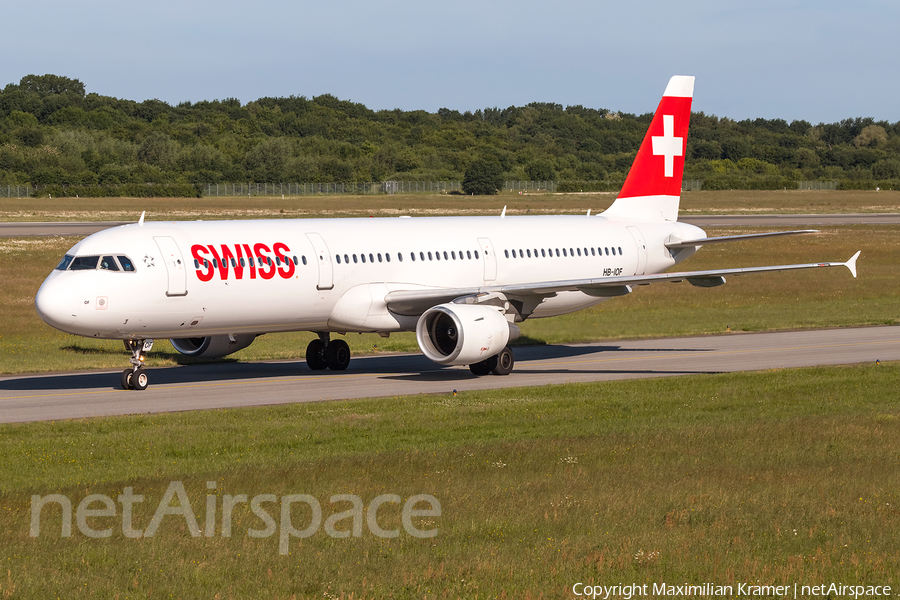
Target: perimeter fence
{"points": [[372, 188]]}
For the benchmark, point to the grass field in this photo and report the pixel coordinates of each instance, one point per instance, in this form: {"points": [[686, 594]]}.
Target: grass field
{"points": [[771, 478], [764, 478]]}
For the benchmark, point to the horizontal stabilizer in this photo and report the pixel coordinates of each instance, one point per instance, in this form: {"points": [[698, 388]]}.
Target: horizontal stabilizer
{"points": [[851, 264], [732, 238]]}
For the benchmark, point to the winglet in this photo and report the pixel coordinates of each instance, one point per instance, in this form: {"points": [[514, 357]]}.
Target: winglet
{"points": [[141, 221], [851, 264]]}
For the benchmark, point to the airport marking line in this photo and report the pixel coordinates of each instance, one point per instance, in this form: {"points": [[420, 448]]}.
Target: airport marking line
{"points": [[345, 376]]}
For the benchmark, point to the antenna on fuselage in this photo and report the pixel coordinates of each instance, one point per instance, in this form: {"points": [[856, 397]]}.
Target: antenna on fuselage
{"points": [[141, 220], [503, 212], [589, 212]]}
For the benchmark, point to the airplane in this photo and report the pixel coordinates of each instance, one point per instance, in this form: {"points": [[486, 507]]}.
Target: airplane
{"points": [[461, 283]]}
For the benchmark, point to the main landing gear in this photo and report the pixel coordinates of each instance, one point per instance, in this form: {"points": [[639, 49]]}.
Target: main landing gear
{"points": [[325, 353], [499, 364], [135, 378]]}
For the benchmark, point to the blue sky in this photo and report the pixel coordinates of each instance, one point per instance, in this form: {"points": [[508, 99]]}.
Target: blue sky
{"points": [[821, 60]]}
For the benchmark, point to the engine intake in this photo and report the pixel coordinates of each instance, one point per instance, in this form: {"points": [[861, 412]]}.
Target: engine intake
{"points": [[463, 334], [215, 346]]}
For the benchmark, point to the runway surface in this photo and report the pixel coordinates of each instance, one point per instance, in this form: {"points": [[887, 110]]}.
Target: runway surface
{"points": [[228, 385], [87, 228]]}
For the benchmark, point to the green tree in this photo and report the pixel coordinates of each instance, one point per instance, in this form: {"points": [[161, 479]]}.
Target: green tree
{"points": [[888, 168], [44, 85], [483, 177], [540, 170], [158, 150]]}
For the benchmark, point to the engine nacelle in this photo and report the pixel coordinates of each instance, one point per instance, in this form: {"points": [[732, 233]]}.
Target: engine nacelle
{"points": [[214, 346], [463, 334]]}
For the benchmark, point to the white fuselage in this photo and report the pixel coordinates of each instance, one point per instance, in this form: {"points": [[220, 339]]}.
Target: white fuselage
{"points": [[194, 279]]}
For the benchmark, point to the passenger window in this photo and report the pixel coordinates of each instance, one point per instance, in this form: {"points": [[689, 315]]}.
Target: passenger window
{"points": [[196, 264], [579, 251], [346, 259], [303, 258], [400, 257], [422, 255], [607, 251], [557, 252], [469, 254], [371, 258], [126, 263], [429, 256], [387, 256], [84, 263], [412, 255], [337, 257], [593, 253], [506, 253], [543, 253], [379, 257], [453, 254], [445, 255], [564, 252], [620, 250], [529, 252], [233, 264], [476, 254], [363, 257]]}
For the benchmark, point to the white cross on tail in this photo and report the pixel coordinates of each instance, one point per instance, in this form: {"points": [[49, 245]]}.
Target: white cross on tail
{"points": [[668, 145]]}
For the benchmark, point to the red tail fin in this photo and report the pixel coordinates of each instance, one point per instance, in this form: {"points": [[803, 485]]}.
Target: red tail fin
{"points": [[653, 186]]}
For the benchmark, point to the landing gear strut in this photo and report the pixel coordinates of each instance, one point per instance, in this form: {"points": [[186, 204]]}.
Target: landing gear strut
{"points": [[499, 364], [135, 378], [324, 353]]}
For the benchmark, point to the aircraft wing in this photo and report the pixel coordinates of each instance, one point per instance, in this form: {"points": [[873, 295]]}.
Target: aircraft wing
{"points": [[416, 302]]}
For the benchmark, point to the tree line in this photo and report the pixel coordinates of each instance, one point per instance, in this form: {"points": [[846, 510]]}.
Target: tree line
{"points": [[54, 133]]}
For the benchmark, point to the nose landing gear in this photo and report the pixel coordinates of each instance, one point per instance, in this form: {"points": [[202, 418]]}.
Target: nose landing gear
{"points": [[325, 353], [135, 378]]}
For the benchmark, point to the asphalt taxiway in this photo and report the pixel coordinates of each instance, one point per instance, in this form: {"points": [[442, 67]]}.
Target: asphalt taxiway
{"points": [[230, 385]]}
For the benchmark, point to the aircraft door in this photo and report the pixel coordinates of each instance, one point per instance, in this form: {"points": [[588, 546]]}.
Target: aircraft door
{"points": [[323, 261], [174, 266], [490, 261], [641, 245]]}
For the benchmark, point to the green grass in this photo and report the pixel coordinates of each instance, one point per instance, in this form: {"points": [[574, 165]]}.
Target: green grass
{"points": [[806, 299], [778, 477]]}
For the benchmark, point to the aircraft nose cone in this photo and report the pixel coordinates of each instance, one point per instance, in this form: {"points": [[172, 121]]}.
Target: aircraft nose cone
{"points": [[54, 306]]}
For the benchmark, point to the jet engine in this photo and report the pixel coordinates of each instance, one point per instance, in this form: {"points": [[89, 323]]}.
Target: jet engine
{"points": [[214, 346], [463, 334]]}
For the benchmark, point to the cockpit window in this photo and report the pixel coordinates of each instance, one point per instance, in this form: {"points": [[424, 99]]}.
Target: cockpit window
{"points": [[108, 263], [84, 263], [126, 263], [64, 263]]}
